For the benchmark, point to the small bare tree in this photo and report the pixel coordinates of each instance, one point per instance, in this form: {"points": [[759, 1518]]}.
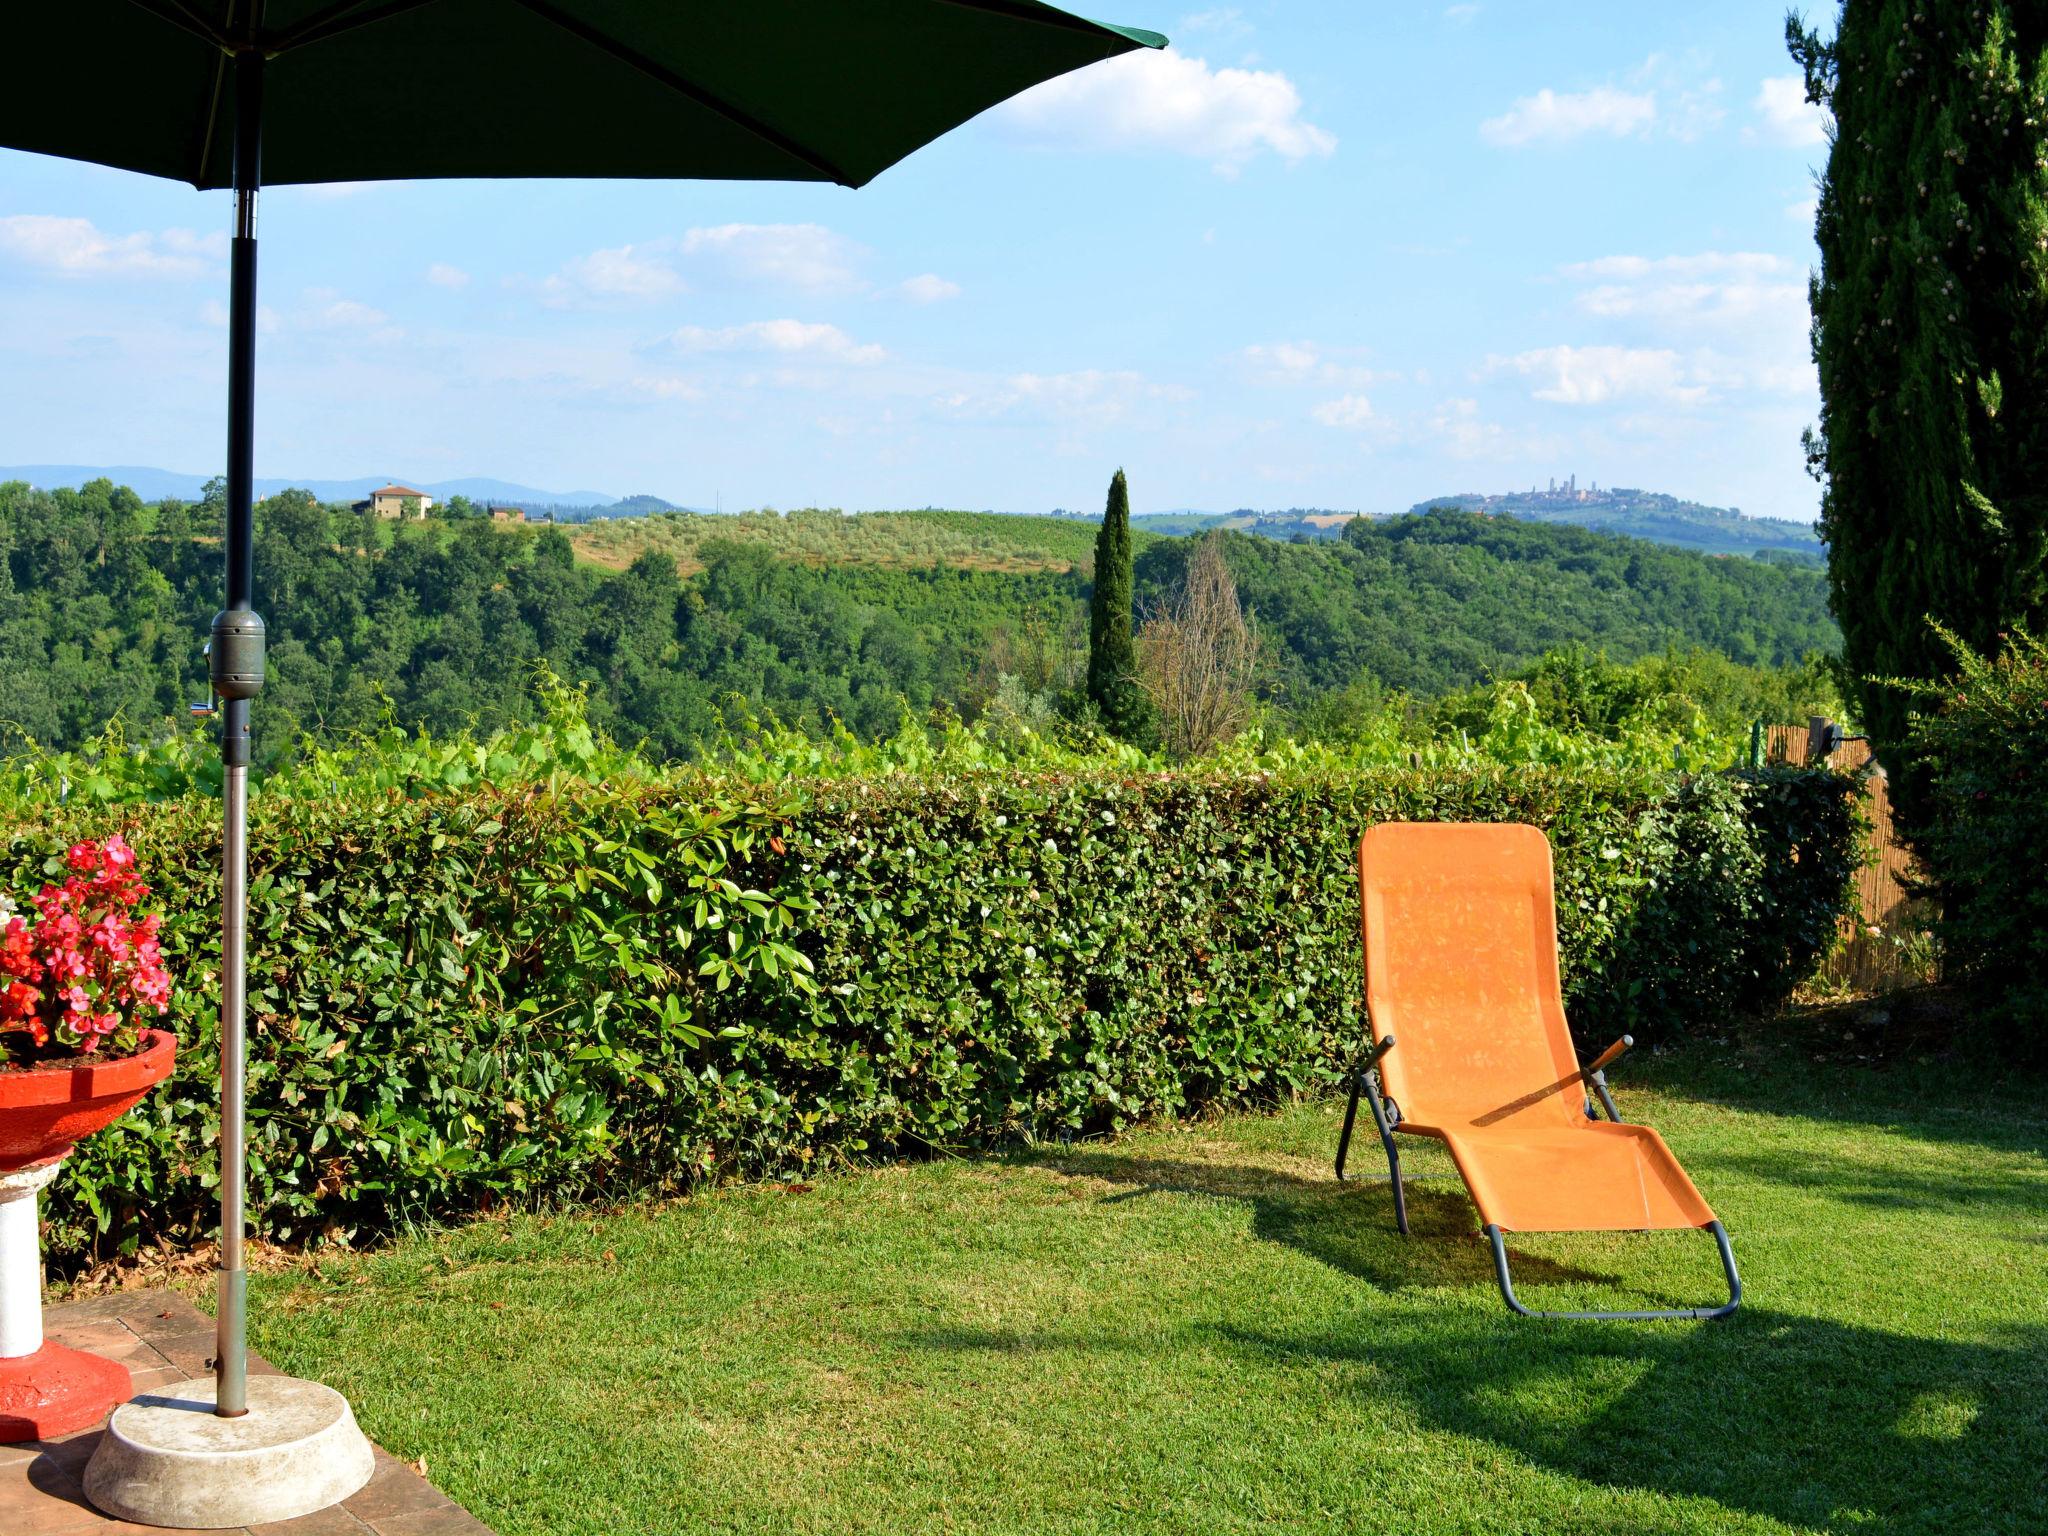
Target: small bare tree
{"points": [[1197, 657]]}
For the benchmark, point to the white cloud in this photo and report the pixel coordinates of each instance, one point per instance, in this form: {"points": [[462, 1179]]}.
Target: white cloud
{"points": [[622, 274], [1671, 97], [1349, 412], [1738, 319], [1093, 397], [1785, 116], [1307, 363], [441, 275], [929, 288], [1719, 288], [666, 386], [1464, 435], [1461, 15], [1704, 264], [780, 336], [346, 314], [77, 248], [325, 310], [1224, 21], [1171, 101], [803, 256], [1803, 212], [1551, 117], [1596, 375]]}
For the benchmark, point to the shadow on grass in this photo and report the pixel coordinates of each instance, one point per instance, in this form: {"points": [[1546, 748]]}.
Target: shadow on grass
{"points": [[1990, 1191], [1348, 1226], [1814, 1423], [1984, 1102]]}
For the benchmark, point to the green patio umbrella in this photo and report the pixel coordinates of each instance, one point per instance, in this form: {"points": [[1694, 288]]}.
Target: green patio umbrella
{"points": [[240, 93]]}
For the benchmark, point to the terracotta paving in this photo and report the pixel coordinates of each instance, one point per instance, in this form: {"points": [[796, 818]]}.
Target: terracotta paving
{"points": [[163, 1339]]}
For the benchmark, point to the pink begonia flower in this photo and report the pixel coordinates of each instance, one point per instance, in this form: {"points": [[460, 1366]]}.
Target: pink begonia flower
{"points": [[99, 962]]}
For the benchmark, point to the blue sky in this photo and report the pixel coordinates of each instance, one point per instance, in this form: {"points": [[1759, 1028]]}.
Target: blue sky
{"points": [[1343, 253]]}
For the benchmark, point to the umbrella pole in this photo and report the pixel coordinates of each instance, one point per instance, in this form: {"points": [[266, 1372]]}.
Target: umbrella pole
{"points": [[236, 667]]}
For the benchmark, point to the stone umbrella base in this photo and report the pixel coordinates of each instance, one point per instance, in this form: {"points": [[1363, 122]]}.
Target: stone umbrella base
{"points": [[168, 1459]]}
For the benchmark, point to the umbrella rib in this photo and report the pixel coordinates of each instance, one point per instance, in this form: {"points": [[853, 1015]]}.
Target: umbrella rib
{"points": [[177, 14], [220, 74], [334, 20], [662, 75]]}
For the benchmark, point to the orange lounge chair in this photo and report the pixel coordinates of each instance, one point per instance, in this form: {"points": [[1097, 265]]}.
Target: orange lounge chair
{"points": [[1461, 966]]}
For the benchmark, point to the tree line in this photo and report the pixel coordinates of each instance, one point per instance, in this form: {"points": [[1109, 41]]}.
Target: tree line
{"points": [[442, 624]]}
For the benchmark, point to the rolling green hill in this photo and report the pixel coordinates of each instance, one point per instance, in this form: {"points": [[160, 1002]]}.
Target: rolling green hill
{"points": [[678, 621], [1648, 515], [982, 541]]}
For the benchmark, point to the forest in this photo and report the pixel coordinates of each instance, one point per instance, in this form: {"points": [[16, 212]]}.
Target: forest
{"points": [[678, 625]]}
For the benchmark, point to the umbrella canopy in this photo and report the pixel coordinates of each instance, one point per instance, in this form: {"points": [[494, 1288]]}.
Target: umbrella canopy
{"points": [[375, 90], [244, 93]]}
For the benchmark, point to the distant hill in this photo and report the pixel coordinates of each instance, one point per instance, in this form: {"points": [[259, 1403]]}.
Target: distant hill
{"points": [[1290, 526], [1646, 515], [156, 484], [1015, 543], [812, 616], [1652, 515]]}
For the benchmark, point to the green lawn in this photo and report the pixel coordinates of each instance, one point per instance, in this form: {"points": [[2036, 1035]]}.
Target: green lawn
{"points": [[1196, 1330]]}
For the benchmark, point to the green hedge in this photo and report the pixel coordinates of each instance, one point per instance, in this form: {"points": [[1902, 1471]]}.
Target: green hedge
{"points": [[575, 991], [1981, 739]]}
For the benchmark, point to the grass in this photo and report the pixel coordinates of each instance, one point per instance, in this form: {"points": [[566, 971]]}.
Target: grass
{"points": [[1196, 1330]]}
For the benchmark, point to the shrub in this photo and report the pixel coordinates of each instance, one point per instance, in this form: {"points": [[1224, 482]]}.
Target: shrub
{"points": [[557, 989], [1983, 737]]}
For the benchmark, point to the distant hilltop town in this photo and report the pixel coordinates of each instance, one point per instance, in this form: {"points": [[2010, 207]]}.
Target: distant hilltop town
{"points": [[1570, 491], [1644, 515], [1626, 510]]}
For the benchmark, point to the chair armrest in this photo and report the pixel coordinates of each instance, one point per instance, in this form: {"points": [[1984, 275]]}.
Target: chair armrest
{"points": [[1597, 1076], [1607, 1056]]}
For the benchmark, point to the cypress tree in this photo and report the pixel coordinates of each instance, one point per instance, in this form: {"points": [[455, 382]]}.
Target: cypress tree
{"points": [[1930, 330], [1112, 661]]}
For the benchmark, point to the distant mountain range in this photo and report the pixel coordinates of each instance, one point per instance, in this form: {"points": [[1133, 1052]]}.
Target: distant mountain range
{"points": [[1651, 515], [155, 484]]}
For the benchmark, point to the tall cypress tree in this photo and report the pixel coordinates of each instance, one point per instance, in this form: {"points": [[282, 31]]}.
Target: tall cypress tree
{"points": [[1930, 329], [1112, 661]]}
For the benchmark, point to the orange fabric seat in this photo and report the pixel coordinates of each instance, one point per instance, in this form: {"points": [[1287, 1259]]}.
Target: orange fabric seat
{"points": [[1461, 969], [1600, 1178]]}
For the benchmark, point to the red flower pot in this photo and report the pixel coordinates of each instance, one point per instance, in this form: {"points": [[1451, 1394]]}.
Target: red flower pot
{"points": [[47, 1389], [43, 1112]]}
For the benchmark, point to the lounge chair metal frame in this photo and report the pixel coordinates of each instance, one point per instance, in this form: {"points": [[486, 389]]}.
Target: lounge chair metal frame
{"points": [[1590, 1079], [1386, 1118]]}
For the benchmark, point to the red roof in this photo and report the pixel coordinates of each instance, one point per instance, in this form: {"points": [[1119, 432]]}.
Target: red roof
{"points": [[398, 490]]}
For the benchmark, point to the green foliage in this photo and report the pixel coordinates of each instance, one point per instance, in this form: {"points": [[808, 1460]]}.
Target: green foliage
{"points": [[1695, 695], [1931, 334], [1423, 605], [814, 619], [532, 968], [1112, 659], [1983, 738]]}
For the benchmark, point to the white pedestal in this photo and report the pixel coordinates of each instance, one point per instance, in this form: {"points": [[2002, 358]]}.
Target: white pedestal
{"points": [[45, 1389], [21, 1260]]}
